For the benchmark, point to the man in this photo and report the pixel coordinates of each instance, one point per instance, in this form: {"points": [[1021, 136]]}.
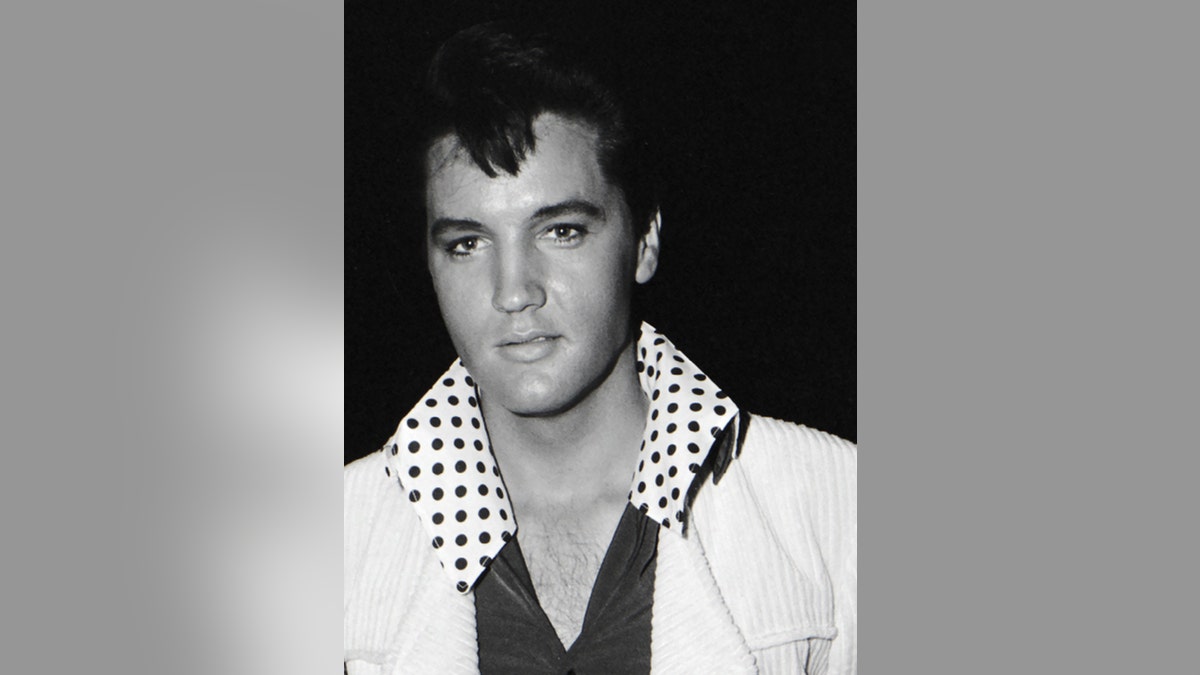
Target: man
{"points": [[574, 494]]}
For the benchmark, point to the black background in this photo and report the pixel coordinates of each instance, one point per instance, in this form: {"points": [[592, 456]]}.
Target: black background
{"points": [[756, 281]]}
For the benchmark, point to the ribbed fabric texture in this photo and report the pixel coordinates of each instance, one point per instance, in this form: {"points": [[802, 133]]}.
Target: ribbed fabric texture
{"points": [[780, 536], [401, 613], [692, 630], [765, 580]]}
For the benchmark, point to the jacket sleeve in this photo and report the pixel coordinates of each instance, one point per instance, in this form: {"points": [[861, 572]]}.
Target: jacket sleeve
{"points": [[836, 509], [363, 483], [359, 483], [807, 482]]}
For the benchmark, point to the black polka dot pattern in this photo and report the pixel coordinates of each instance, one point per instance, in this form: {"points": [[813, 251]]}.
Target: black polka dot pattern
{"points": [[453, 482], [451, 478], [685, 407]]}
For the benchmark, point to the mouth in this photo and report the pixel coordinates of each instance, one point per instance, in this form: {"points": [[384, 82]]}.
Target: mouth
{"points": [[527, 339], [528, 347], [536, 340]]}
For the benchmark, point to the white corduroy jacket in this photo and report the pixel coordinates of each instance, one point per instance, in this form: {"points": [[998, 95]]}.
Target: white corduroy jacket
{"points": [[764, 581]]}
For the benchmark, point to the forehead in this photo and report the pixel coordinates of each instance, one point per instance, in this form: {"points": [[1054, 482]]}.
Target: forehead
{"points": [[563, 166]]}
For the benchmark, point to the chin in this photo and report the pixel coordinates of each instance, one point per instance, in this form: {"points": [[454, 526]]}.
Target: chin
{"points": [[536, 398], [539, 390]]}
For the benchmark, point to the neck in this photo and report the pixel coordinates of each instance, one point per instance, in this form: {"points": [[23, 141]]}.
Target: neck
{"points": [[584, 454]]}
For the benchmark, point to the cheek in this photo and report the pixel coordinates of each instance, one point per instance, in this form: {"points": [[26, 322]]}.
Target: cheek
{"points": [[613, 277], [457, 280], [462, 302], [598, 297]]}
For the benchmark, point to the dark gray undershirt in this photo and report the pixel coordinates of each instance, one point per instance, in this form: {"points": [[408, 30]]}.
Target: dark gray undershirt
{"points": [[515, 635]]}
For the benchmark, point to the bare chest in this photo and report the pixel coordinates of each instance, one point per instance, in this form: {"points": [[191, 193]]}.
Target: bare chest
{"points": [[563, 564]]}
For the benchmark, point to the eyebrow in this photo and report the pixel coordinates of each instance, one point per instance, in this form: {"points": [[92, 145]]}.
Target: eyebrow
{"points": [[571, 207], [442, 225]]}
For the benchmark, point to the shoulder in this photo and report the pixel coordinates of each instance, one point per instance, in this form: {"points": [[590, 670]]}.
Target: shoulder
{"points": [[798, 452], [797, 435], [365, 465], [366, 479], [797, 474], [369, 496]]}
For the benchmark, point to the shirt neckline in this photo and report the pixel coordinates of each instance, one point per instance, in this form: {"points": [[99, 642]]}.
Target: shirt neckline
{"points": [[442, 459]]}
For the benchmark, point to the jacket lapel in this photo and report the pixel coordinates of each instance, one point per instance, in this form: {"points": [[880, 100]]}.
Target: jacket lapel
{"points": [[692, 629], [439, 633]]}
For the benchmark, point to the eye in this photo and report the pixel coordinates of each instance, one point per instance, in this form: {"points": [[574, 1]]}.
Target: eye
{"points": [[462, 248], [565, 235]]}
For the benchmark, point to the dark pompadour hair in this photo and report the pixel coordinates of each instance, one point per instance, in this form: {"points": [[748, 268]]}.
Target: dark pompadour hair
{"points": [[487, 84]]}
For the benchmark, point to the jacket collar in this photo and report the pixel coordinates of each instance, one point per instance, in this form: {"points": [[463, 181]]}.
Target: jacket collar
{"points": [[442, 456]]}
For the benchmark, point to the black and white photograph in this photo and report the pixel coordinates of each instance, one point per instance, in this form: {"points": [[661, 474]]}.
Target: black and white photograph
{"points": [[577, 288], [600, 289]]}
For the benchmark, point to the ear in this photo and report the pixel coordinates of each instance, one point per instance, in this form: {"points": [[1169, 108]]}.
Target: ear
{"points": [[648, 250]]}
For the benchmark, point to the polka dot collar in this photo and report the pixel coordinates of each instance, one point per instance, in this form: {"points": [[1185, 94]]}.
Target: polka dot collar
{"points": [[441, 457], [687, 413]]}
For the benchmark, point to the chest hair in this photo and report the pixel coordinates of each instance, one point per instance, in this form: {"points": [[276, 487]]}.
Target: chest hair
{"points": [[564, 558]]}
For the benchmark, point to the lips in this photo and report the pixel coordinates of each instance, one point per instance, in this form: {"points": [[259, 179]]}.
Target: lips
{"points": [[528, 347], [530, 337]]}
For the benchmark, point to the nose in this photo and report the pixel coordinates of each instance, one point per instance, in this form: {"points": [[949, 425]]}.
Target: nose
{"points": [[518, 284]]}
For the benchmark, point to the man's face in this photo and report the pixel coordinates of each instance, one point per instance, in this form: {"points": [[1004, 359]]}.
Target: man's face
{"points": [[534, 272]]}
